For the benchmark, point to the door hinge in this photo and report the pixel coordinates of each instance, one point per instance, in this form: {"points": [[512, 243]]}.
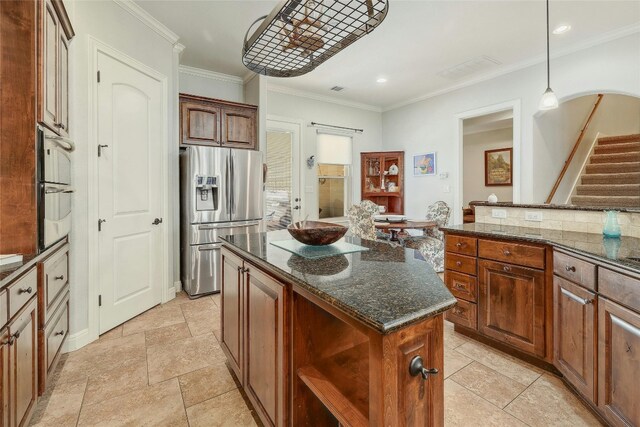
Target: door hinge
{"points": [[98, 76], [99, 300]]}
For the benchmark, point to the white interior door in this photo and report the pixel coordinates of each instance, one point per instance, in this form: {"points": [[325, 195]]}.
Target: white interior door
{"points": [[129, 107], [283, 188]]}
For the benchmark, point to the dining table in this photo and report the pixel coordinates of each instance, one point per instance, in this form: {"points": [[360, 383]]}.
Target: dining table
{"points": [[409, 224]]}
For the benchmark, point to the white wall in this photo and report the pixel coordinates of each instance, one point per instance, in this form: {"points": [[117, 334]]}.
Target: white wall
{"points": [[308, 110], [430, 125], [194, 81], [555, 132], [112, 25], [474, 146]]}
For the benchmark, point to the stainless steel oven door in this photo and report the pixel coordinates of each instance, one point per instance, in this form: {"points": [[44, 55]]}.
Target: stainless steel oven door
{"points": [[54, 213], [55, 158]]}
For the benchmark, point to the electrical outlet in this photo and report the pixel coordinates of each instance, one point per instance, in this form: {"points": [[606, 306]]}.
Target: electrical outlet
{"points": [[533, 216], [498, 213]]}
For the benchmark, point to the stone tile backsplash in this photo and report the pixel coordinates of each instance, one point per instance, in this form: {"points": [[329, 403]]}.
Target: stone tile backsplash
{"points": [[561, 219]]}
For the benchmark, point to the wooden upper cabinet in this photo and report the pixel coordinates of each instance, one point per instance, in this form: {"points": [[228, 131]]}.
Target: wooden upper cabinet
{"points": [[575, 335], [239, 127], [54, 34], [206, 121], [618, 363], [512, 305]]}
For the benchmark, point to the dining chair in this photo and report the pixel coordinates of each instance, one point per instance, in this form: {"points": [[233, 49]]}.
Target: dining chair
{"points": [[361, 221], [431, 243]]}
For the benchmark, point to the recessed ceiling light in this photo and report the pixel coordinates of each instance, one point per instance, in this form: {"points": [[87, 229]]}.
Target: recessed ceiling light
{"points": [[561, 29], [381, 80]]}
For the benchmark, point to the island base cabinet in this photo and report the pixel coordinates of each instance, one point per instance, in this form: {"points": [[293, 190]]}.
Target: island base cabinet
{"points": [[232, 321], [575, 335], [512, 305], [618, 363], [264, 350], [4, 377]]}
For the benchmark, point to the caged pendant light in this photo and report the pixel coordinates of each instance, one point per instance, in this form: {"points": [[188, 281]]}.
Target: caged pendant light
{"points": [[299, 35], [549, 101]]}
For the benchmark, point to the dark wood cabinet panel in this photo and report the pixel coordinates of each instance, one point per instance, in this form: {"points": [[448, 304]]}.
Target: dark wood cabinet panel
{"points": [[513, 253], [574, 269], [464, 314], [461, 263], [374, 168], [4, 377], [461, 245], [264, 349], [232, 311], [620, 288], [575, 335], [239, 127], [512, 305], [63, 84], [618, 363], [23, 365], [462, 286], [200, 123]]}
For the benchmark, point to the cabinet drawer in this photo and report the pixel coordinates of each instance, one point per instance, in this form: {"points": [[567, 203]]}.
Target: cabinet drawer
{"points": [[462, 245], [464, 314], [513, 253], [55, 280], [578, 271], [4, 310], [461, 263], [619, 287], [21, 291], [56, 332], [462, 286]]}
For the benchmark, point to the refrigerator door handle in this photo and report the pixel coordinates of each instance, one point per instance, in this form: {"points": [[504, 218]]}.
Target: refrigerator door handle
{"points": [[233, 188], [227, 187]]}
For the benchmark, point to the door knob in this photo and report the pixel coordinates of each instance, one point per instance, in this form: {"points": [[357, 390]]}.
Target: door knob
{"points": [[157, 221], [296, 207]]}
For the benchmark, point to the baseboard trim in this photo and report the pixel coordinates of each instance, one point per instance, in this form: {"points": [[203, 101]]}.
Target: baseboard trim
{"points": [[77, 341], [177, 286]]}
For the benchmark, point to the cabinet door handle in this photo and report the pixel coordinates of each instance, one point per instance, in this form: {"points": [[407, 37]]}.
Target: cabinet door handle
{"points": [[60, 277], [59, 333], [25, 291], [570, 268], [416, 367], [588, 301]]}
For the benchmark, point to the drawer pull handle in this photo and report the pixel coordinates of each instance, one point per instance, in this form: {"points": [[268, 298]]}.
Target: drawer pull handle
{"points": [[588, 301], [458, 286], [570, 268], [506, 252], [60, 277], [416, 367], [458, 311], [458, 263], [506, 268], [459, 244], [59, 333], [25, 291]]}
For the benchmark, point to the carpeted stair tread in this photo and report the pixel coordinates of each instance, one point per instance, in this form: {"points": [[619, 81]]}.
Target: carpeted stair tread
{"points": [[618, 139], [607, 201], [616, 157], [613, 167], [611, 178], [625, 147], [608, 190]]}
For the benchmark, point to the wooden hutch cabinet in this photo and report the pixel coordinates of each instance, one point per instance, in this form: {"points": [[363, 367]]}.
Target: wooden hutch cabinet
{"points": [[206, 121], [379, 181]]}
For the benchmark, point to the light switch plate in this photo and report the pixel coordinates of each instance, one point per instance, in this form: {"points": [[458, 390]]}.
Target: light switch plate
{"points": [[533, 216], [498, 213]]}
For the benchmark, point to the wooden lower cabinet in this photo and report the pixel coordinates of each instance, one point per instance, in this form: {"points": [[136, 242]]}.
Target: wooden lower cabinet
{"points": [[23, 365], [4, 377], [512, 305], [575, 337], [264, 351], [618, 363], [232, 311]]}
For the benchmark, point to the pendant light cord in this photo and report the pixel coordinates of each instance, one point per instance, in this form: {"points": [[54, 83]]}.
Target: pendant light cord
{"points": [[548, 66]]}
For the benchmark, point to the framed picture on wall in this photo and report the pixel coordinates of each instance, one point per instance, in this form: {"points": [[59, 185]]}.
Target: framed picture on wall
{"points": [[498, 168], [424, 164]]}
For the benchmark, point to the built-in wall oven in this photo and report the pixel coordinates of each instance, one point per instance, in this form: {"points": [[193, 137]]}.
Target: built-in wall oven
{"points": [[54, 185]]}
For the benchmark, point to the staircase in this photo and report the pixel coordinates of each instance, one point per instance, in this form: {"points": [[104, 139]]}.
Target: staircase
{"points": [[612, 176]]}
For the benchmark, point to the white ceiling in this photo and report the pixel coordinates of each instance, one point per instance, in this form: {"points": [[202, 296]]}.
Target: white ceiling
{"points": [[417, 41]]}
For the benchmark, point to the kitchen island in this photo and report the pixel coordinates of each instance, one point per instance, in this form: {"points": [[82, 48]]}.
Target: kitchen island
{"points": [[353, 339]]}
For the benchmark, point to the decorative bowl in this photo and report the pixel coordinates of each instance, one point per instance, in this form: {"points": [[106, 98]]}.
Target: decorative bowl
{"points": [[316, 233]]}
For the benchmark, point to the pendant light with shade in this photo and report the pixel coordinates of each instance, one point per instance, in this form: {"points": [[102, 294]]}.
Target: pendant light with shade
{"points": [[549, 101]]}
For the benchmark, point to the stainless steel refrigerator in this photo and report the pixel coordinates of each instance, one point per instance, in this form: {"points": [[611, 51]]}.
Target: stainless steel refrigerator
{"points": [[220, 194]]}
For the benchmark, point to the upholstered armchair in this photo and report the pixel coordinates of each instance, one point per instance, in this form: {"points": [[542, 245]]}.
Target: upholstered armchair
{"points": [[361, 222], [431, 243]]}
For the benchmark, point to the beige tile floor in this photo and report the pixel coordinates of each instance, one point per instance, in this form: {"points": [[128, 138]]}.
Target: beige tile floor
{"points": [[166, 368]]}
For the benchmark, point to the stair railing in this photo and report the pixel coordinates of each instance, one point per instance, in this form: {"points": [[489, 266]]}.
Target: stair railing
{"points": [[575, 148]]}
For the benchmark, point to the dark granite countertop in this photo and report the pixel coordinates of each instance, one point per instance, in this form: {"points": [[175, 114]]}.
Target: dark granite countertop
{"points": [[552, 206], [610, 251], [11, 272], [386, 287]]}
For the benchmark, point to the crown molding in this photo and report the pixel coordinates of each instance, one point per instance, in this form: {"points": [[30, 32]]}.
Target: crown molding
{"points": [[592, 42], [146, 18], [199, 72], [310, 95], [178, 48]]}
